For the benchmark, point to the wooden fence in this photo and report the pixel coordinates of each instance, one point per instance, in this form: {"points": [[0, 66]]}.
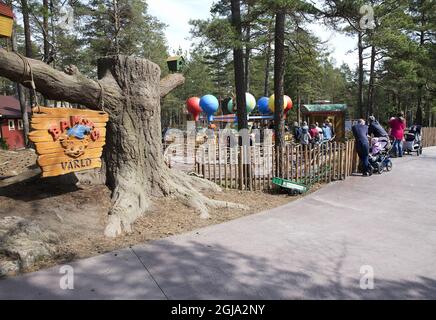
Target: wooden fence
{"points": [[428, 137], [252, 168]]}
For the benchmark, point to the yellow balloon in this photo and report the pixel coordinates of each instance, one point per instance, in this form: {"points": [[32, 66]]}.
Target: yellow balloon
{"points": [[271, 103]]}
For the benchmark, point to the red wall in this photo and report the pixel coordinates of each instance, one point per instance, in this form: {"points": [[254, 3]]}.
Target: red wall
{"points": [[14, 138]]}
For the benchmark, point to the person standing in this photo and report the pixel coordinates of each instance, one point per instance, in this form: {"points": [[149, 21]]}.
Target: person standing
{"points": [[398, 125], [296, 132], [326, 132], [305, 135], [314, 133], [360, 133], [320, 132], [330, 125], [377, 131]]}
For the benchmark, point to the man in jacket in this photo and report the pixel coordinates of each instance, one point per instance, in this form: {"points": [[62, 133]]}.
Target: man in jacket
{"points": [[360, 133]]}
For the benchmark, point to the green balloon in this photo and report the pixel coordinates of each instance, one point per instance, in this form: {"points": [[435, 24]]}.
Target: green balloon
{"points": [[250, 101], [230, 106]]}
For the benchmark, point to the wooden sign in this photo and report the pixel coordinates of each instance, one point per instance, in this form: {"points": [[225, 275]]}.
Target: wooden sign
{"points": [[6, 20], [68, 140]]}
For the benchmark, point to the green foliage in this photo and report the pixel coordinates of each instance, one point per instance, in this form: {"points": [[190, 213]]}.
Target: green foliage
{"points": [[3, 144]]}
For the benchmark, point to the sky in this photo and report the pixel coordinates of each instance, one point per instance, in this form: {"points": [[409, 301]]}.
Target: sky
{"points": [[177, 13]]}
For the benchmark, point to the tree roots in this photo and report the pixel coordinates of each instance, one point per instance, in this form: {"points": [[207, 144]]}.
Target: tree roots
{"points": [[133, 201]]}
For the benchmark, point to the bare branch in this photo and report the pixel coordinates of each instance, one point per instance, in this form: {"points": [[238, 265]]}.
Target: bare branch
{"points": [[52, 83], [170, 82]]}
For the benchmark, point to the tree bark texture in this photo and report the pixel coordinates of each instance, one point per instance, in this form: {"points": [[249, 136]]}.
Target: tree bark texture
{"points": [[279, 71], [371, 85], [267, 65], [360, 76], [238, 57], [22, 99]]}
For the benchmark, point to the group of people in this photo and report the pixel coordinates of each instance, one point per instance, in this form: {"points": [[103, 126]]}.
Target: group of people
{"points": [[314, 134], [362, 133]]}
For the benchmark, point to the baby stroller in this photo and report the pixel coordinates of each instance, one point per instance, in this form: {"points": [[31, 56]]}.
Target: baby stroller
{"points": [[379, 155], [413, 140]]}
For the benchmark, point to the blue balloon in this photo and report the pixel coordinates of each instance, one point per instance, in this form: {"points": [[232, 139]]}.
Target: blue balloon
{"points": [[263, 105], [209, 104]]}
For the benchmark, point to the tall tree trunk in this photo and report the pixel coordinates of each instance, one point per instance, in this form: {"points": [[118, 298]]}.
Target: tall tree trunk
{"points": [[420, 84], [45, 37], [360, 76], [370, 105], [238, 60], [279, 71], [26, 23], [53, 38], [267, 63], [129, 90], [27, 37], [46, 31], [22, 99], [117, 25], [418, 116], [247, 54]]}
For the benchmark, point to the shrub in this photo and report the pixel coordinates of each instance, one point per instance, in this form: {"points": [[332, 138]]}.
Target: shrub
{"points": [[3, 144]]}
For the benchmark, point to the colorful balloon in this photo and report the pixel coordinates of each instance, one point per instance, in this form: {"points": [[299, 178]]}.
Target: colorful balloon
{"points": [[271, 103], [250, 102], [289, 104], [209, 104], [262, 103], [193, 105], [230, 106]]}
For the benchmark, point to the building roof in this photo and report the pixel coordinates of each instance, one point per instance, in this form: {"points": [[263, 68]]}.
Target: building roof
{"points": [[175, 58], [6, 10], [308, 108], [10, 107]]}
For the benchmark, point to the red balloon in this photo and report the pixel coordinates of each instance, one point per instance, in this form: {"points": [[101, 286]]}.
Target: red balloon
{"points": [[193, 105], [289, 104]]}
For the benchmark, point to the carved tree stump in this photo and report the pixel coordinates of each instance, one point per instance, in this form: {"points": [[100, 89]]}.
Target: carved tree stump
{"points": [[129, 90]]}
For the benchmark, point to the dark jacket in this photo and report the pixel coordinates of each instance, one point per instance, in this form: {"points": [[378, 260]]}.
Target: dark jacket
{"points": [[377, 130], [360, 133]]}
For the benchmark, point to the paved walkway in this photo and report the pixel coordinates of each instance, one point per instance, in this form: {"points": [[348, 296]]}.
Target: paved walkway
{"points": [[311, 248]]}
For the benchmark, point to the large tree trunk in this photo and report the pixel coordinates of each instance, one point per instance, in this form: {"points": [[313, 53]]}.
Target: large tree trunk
{"points": [[279, 71], [360, 76], [46, 32], [371, 85], [45, 37], [129, 90], [116, 16], [241, 85], [27, 37], [247, 52], [22, 98], [267, 64], [238, 57], [26, 22]]}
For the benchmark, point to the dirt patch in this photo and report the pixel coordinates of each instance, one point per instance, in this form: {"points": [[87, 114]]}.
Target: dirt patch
{"points": [[13, 163], [78, 215]]}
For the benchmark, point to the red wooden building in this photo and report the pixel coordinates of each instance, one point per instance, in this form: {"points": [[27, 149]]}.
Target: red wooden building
{"points": [[11, 123]]}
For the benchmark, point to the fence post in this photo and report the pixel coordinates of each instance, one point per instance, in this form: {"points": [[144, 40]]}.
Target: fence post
{"points": [[240, 168]]}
